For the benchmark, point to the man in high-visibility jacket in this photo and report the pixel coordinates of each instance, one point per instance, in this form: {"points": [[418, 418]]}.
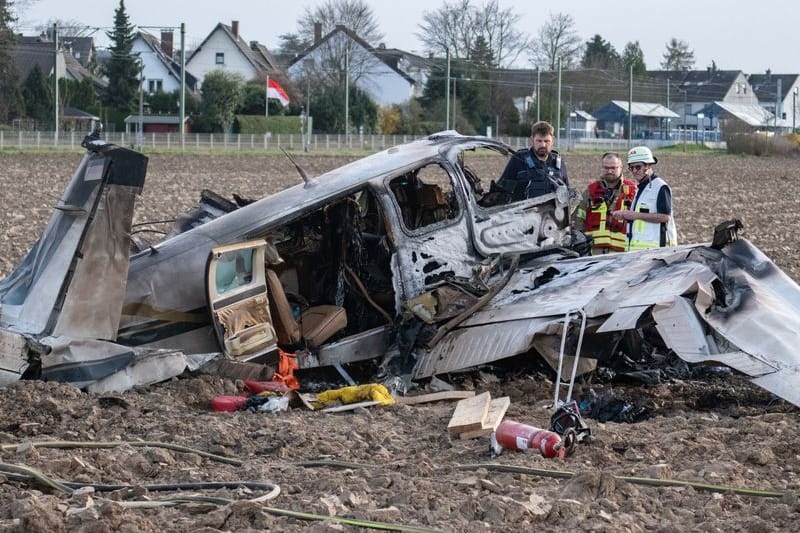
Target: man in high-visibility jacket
{"points": [[610, 193], [652, 224]]}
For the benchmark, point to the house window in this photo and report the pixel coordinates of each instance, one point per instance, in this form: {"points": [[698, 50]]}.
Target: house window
{"points": [[220, 58], [155, 86]]}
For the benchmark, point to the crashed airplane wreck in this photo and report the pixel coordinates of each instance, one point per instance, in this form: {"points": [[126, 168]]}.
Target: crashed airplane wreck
{"points": [[407, 257]]}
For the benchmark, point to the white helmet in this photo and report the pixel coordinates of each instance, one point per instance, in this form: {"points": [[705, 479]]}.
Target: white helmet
{"points": [[641, 154]]}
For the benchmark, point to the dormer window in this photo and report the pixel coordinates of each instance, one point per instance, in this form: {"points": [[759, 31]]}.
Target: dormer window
{"points": [[220, 60]]}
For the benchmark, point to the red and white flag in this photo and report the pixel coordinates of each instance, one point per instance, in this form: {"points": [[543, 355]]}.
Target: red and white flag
{"points": [[274, 90]]}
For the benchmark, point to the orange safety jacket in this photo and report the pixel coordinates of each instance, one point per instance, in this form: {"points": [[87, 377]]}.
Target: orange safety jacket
{"points": [[608, 232]]}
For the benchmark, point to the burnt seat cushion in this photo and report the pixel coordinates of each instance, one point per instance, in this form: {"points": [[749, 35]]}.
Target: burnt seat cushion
{"points": [[321, 322]]}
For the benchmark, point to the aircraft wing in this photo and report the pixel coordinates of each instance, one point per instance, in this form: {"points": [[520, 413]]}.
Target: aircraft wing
{"points": [[731, 306]]}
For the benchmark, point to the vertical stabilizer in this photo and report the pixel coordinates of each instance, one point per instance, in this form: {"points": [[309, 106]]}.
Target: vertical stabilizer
{"points": [[72, 282]]}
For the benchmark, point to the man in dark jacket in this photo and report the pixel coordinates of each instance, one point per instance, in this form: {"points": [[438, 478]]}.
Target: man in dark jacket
{"points": [[537, 170]]}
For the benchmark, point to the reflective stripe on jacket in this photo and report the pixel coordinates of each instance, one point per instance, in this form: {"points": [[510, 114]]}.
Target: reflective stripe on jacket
{"points": [[647, 235], [608, 232]]}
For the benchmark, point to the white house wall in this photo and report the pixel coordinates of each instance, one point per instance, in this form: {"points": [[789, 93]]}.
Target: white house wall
{"points": [[383, 84], [203, 60], [741, 92], [154, 68]]}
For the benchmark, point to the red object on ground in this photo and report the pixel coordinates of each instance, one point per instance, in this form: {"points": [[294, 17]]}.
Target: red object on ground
{"points": [[515, 436], [257, 387], [228, 403]]}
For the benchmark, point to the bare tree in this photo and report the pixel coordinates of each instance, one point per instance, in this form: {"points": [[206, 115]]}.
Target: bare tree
{"points": [[677, 56], [356, 15], [498, 27], [448, 28], [557, 39], [459, 26], [66, 28]]}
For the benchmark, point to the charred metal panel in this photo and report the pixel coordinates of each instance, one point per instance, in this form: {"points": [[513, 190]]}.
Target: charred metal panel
{"points": [[360, 347], [623, 318], [92, 305], [679, 326], [468, 347], [520, 227], [745, 363], [783, 383], [761, 311], [426, 260]]}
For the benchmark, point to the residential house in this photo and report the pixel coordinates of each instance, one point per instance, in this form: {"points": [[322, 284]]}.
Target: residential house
{"points": [[224, 49], [81, 48], [778, 94], [373, 72], [32, 51], [416, 67], [691, 93], [161, 71]]}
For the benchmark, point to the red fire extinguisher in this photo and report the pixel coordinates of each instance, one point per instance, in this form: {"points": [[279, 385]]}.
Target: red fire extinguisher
{"points": [[515, 436]]}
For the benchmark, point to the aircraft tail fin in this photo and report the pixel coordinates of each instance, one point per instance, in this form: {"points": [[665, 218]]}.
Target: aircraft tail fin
{"points": [[73, 280]]}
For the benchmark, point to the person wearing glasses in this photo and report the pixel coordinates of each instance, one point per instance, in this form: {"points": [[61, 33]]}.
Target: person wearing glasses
{"points": [[651, 222], [610, 193], [534, 171]]}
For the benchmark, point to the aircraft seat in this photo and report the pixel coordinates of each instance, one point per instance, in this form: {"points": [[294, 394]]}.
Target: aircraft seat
{"points": [[316, 324]]}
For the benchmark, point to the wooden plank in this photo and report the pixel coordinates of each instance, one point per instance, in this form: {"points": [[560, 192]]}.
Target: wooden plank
{"points": [[497, 410], [349, 407], [470, 414], [434, 397]]}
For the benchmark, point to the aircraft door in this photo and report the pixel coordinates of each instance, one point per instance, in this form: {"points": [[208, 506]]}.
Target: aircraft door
{"points": [[238, 300]]}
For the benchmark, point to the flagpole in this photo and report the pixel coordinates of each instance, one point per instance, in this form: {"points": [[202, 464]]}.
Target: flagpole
{"points": [[266, 98]]}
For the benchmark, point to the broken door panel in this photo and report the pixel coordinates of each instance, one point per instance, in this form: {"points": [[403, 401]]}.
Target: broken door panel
{"points": [[432, 239], [237, 296]]}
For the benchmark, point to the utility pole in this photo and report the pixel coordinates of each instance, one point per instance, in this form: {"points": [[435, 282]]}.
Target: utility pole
{"points": [[183, 86], [140, 133], [455, 102], [778, 103], [266, 98], [346, 94], [447, 93], [55, 88], [538, 94], [685, 105], [630, 106], [558, 108]]}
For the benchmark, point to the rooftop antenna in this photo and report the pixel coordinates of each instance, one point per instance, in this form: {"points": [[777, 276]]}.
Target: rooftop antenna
{"points": [[309, 182]]}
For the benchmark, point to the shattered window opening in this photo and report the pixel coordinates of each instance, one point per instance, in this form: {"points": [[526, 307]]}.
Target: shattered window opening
{"points": [[425, 196]]}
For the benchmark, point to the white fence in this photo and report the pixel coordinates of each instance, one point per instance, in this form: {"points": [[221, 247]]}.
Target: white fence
{"points": [[320, 143], [217, 141]]}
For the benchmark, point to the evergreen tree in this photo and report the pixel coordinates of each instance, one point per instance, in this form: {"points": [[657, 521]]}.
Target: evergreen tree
{"points": [[678, 56], [77, 94], [327, 106], [223, 94], [633, 56], [122, 69], [10, 97], [37, 97], [291, 44], [600, 54]]}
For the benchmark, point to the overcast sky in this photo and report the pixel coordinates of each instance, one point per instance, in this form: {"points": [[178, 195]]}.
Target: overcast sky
{"points": [[752, 36]]}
